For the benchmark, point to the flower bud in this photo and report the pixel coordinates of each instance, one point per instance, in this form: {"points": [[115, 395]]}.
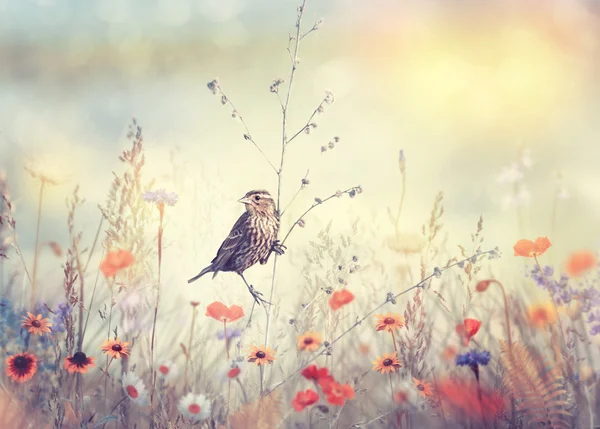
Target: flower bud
{"points": [[402, 161], [483, 285]]}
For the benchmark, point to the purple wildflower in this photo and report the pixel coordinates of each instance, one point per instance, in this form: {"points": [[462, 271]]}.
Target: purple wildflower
{"points": [[231, 333], [60, 315], [560, 289]]}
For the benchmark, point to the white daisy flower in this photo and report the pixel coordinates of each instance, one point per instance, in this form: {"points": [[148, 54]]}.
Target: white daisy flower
{"points": [[510, 174], [161, 196], [526, 159], [134, 388], [167, 370], [194, 407], [232, 370], [406, 396]]}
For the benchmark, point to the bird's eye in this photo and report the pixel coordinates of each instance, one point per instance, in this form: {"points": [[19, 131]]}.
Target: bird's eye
{"points": [[257, 198]]}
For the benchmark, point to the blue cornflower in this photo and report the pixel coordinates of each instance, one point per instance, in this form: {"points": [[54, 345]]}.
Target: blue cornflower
{"points": [[231, 333], [40, 308], [6, 309], [473, 357], [60, 315]]}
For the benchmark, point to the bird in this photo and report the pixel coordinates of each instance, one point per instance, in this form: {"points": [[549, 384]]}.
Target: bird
{"points": [[252, 239]]}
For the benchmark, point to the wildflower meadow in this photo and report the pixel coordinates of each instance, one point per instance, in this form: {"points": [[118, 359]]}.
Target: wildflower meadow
{"points": [[406, 285]]}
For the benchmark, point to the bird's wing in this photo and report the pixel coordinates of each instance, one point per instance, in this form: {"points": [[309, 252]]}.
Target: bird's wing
{"points": [[233, 239]]}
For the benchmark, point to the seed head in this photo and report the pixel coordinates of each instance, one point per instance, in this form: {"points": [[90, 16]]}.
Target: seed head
{"points": [[329, 97], [214, 86]]}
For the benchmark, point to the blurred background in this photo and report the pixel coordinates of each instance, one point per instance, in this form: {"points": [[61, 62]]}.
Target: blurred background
{"points": [[493, 103]]}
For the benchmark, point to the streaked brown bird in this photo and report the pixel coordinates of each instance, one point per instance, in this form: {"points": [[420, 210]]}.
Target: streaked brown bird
{"points": [[251, 240]]}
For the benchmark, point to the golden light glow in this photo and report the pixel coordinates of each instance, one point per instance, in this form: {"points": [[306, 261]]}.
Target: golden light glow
{"points": [[490, 72]]}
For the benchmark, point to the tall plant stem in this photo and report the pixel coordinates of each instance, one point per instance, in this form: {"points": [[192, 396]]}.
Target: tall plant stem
{"points": [[112, 294], [18, 250], [513, 404], [520, 222], [394, 341], [226, 338], [553, 220], [284, 142], [562, 332], [506, 313], [262, 372], [161, 210], [87, 317], [397, 224], [37, 241], [480, 397], [94, 243], [80, 274], [440, 400], [189, 350]]}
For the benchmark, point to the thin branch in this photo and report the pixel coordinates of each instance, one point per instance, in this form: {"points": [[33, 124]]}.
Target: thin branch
{"points": [[87, 317], [315, 27], [302, 186], [389, 298], [247, 136], [307, 33], [280, 101], [308, 122], [18, 250], [94, 244], [301, 10], [318, 203]]}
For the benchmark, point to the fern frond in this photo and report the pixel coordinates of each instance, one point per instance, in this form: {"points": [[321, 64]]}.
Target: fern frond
{"points": [[535, 384], [265, 413]]}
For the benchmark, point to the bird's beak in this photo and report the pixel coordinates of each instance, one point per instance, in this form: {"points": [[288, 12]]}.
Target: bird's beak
{"points": [[244, 200]]}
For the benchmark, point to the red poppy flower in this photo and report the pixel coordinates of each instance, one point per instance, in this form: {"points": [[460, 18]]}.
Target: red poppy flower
{"points": [[305, 399], [313, 373], [461, 397], [336, 394], [340, 298], [483, 285], [114, 262], [530, 249], [467, 330], [325, 381], [580, 262], [219, 311]]}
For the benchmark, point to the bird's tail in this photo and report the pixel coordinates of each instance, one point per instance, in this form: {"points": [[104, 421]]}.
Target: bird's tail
{"points": [[204, 271]]}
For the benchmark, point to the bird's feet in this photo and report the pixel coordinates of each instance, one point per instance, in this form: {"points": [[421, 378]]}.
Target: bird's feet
{"points": [[257, 296], [279, 248]]}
